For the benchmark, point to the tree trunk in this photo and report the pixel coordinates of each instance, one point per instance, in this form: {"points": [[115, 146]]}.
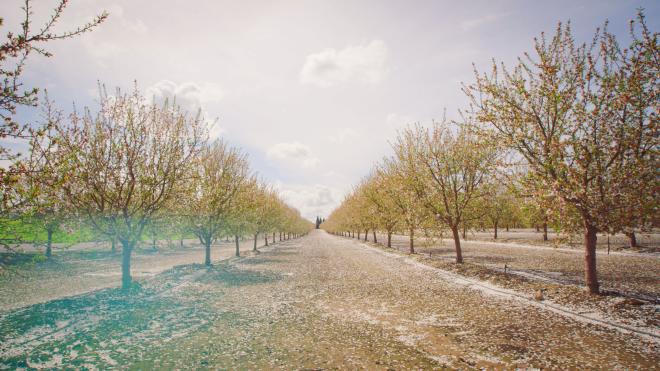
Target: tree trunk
{"points": [[537, 228], [464, 232], [457, 244], [238, 252], [113, 244], [358, 234], [591, 274], [126, 279], [545, 231], [265, 239], [495, 232], [366, 234], [412, 240], [633, 239], [273, 237], [181, 242], [389, 239], [507, 227], [374, 233], [207, 255], [256, 235], [49, 243]]}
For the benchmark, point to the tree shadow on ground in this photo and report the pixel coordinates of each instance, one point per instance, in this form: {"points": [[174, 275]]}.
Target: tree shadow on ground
{"points": [[285, 251], [259, 261], [480, 259], [233, 276], [19, 259], [87, 328]]}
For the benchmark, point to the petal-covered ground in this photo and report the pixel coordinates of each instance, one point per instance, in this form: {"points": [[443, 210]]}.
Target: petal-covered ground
{"points": [[319, 302]]}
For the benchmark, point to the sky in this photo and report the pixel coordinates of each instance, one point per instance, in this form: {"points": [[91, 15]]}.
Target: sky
{"points": [[312, 90]]}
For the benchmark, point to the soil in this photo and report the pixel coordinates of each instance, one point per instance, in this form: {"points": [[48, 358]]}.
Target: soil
{"points": [[318, 302]]}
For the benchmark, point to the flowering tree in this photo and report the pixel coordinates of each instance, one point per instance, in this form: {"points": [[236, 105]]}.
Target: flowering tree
{"points": [[454, 168], [584, 117], [265, 213], [401, 170], [219, 172], [119, 167], [241, 220], [14, 52]]}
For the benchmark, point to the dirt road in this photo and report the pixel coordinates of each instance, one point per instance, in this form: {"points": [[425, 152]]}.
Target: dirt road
{"points": [[319, 302]]}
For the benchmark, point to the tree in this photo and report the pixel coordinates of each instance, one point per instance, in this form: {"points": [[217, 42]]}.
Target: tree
{"points": [[384, 213], [46, 203], [14, 52], [241, 220], [498, 204], [265, 213], [401, 170], [584, 117], [219, 172], [451, 169], [119, 167]]}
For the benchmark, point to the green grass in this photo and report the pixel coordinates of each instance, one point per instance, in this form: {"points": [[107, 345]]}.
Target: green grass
{"points": [[30, 230]]}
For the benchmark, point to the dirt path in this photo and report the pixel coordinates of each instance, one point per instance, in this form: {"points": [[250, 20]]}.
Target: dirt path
{"points": [[319, 302]]}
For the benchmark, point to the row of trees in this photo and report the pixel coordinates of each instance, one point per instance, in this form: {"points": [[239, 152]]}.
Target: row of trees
{"points": [[135, 166], [568, 135], [130, 167]]}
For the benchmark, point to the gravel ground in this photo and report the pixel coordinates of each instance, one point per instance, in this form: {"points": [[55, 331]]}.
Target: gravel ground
{"points": [[636, 275], [319, 302], [87, 267], [647, 241]]}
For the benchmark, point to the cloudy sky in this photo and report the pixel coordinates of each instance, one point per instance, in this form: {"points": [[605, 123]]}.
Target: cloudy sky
{"points": [[312, 90]]}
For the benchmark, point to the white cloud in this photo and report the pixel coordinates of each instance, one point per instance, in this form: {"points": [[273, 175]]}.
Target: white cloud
{"points": [[343, 135], [311, 200], [470, 24], [397, 121], [118, 16], [137, 27], [293, 151], [109, 40], [102, 50], [362, 63], [190, 97]]}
